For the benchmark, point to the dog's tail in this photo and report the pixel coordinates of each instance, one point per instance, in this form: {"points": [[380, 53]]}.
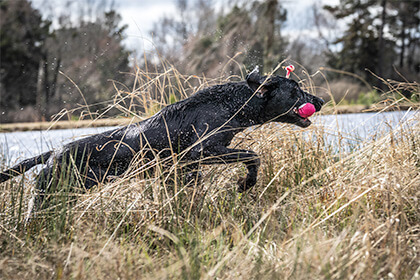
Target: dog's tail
{"points": [[24, 166]]}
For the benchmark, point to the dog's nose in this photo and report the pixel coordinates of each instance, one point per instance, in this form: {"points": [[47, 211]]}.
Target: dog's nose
{"points": [[318, 102]]}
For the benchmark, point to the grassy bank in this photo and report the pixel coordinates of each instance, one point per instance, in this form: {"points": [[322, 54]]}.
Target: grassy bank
{"points": [[317, 212], [314, 214]]}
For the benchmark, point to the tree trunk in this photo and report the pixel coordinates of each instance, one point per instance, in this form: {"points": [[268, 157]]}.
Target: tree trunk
{"points": [[270, 15], [402, 52], [40, 90], [46, 90], [381, 46], [53, 87]]}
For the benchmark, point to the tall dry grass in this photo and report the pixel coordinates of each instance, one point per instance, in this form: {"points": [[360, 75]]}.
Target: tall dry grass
{"points": [[315, 213]]}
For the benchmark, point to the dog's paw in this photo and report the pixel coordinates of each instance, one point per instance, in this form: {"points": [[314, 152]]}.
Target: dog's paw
{"points": [[245, 183]]}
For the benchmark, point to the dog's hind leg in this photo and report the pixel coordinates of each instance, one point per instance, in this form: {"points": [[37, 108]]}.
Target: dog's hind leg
{"points": [[43, 182], [47, 179]]}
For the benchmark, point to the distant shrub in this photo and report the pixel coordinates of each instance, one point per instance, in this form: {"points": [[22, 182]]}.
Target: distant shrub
{"points": [[369, 98], [344, 90]]}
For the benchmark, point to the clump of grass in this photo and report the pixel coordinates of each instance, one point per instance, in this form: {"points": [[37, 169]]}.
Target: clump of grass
{"points": [[315, 213]]}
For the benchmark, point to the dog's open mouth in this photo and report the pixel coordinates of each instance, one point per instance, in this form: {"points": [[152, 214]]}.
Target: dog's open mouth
{"points": [[302, 114]]}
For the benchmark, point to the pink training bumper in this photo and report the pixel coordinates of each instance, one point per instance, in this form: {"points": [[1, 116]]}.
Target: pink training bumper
{"points": [[306, 110]]}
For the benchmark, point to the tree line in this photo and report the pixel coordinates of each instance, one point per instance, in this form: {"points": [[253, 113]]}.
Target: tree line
{"points": [[364, 37], [62, 61], [59, 61]]}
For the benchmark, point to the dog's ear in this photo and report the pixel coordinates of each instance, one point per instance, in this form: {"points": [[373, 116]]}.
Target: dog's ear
{"points": [[253, 80]]}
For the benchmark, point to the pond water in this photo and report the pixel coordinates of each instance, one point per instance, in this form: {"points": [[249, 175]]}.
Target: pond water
{"points": [[348, 130]]}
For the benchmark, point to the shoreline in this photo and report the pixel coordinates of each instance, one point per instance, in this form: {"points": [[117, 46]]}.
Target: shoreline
{"points": [[53, 125]]}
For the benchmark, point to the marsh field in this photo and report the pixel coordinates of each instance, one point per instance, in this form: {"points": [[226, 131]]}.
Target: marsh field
{"points": [[320, 210]]}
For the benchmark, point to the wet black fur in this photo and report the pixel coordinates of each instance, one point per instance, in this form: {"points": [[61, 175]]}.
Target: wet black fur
{"points": [[200, 128]]}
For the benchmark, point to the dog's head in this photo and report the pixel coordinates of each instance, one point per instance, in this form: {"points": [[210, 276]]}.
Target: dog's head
{"points": [[283, 98]]}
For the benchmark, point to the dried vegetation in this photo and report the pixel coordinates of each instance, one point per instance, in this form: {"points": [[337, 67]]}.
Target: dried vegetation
{"points": [[315, 214]]}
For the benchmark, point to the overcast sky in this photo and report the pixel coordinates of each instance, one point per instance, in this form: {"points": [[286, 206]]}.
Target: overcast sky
{"points": [[140, 15]]}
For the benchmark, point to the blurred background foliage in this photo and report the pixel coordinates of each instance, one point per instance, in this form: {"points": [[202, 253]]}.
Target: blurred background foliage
{"points": [[70, 59]]}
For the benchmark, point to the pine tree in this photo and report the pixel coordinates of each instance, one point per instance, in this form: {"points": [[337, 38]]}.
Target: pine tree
{"points": [[88, 49], [22, 36], [380, 35]]}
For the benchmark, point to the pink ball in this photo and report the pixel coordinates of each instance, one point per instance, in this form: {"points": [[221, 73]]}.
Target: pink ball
{"points": [[306, 110]]}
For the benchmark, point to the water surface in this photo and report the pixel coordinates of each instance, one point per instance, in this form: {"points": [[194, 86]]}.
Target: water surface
{"points": [[348, 130]]}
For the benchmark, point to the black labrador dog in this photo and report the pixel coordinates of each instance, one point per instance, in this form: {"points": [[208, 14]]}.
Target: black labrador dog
{"points": [[199, 128]]}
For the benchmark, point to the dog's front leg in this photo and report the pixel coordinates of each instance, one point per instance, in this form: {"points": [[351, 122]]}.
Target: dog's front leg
{"points": [[221, 154]]}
